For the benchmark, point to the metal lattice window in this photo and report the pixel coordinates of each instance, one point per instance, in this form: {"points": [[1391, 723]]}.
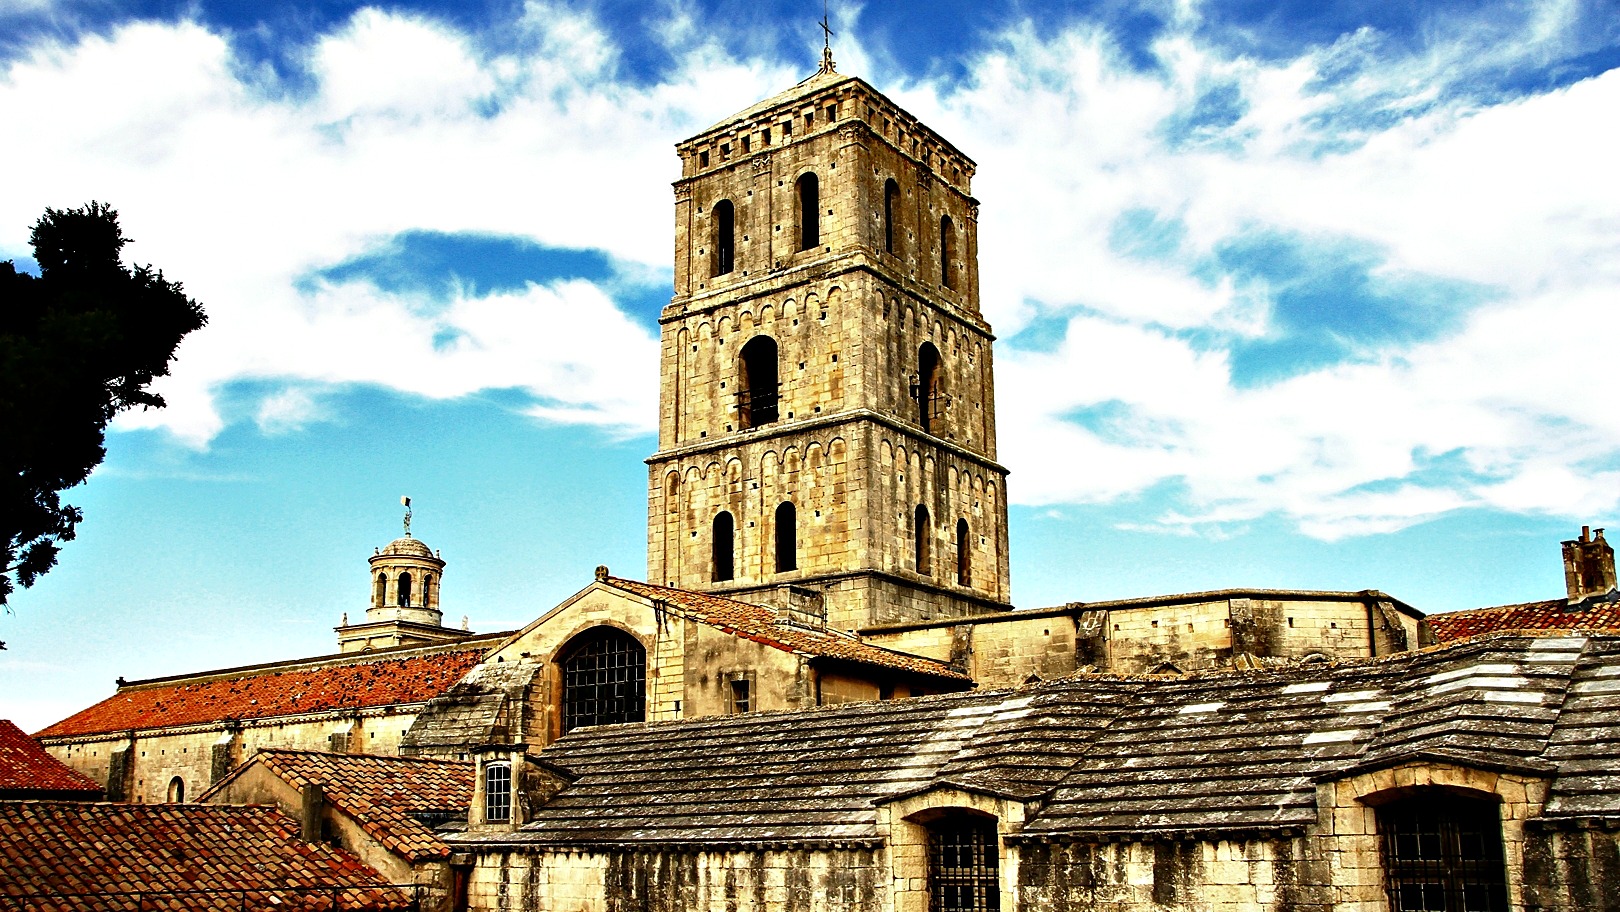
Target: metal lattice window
{"points": [[498, 792], [1443, 853], [604, 680], [963, 871]]}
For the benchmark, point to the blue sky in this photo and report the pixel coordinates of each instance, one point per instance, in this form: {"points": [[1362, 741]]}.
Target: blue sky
{"points": [[1314, 295]]}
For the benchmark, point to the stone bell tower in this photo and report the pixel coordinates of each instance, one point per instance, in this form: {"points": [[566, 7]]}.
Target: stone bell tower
{"points": [[827, 434], [404, 611]]}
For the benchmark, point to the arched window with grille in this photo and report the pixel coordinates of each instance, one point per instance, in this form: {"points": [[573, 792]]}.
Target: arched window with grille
{"points": [[808, 189], [1443, 851], [404, 599], [604, 679], [964, 554], [927, 392], [724, 542], [757, 400], [891, 209], [921, 529], [498, 792], [947, 237], [725, 237], [964, 870], [787, 537]]}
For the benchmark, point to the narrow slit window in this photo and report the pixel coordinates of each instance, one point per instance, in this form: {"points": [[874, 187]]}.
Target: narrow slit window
{"points": [[921, 530], [964, 555], [724, 219], [724, 538], [947, 233], [787, 537], [891, 203], [809, 191]]}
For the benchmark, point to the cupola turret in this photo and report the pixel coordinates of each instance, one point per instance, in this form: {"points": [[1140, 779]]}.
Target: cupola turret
{"points": [[404, 610]]}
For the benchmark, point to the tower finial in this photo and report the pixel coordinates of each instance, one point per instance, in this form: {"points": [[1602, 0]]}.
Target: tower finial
{"points": [[407, 502], [826, 41]]}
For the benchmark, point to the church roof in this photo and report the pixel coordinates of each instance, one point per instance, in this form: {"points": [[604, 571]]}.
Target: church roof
{"points": [[1555, 614], [26, 768], [386, 796], [1106, 755], [762, 624], [353, 681], [71, 856]]}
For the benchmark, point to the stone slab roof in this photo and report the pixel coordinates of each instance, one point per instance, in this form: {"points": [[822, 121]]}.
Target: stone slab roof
{"points": [[1554, 614], [26, 770], [761, 624], [345, 682], [71, 856], [1107, 755], [482, 708], [382, 794]]}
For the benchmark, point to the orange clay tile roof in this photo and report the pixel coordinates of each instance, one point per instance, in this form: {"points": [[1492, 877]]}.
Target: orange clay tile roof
{"points": [[760, 624], [70, 856], [25, 767], [346, 683], [1556, 614], [379, 793]]}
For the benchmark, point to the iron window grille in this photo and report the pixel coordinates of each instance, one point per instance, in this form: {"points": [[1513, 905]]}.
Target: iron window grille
{"points": [[605, 681], [963, 866], [1443, 854]]}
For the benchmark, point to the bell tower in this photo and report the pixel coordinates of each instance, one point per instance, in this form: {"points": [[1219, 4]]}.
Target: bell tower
{"points": [[404, 610], [827, 416]]}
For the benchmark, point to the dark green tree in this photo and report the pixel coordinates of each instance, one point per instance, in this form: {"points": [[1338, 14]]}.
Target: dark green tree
{"points": [[78, 344]]}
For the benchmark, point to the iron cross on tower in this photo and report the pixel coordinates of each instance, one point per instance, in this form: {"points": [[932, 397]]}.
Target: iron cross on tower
{"points": [[826, 42]]}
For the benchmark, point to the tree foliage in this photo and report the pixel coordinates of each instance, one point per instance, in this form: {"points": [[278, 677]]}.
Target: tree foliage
{"points": [[79, 343]]}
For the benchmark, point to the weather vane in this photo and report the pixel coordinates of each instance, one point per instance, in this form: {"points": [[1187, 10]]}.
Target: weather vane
{"points": [[407, 502], [826, 41]]}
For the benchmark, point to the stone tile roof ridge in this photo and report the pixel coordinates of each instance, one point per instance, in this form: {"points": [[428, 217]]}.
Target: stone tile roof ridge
{"points": [[382, 793], [25, 766], [816, 82], [360, 682], [73, 855], [761, 624]]}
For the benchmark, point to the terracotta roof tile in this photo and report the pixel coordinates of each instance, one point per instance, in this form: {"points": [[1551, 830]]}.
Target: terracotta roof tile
{"points": [[759, 623], [1556, 614], [70, 856], [380, 793], [26, 767], [346, 683]]}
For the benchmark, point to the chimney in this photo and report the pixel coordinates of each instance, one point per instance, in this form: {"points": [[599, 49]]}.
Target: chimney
{"points": [[1588, 565], [309, 821]]}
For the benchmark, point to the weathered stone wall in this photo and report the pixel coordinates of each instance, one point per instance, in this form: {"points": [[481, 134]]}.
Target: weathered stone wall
{"points": [[1257, 875], [779, 880], [200, 755], [1572, 868]]}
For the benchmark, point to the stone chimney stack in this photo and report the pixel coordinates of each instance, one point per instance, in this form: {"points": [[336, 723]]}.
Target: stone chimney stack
{"points": [[1588, 565]]}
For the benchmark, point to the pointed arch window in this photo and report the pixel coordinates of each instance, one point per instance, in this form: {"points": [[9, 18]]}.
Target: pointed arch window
{"points": [[404, 600], [757, 393], [724, 542], [725, 237], [891, 208], [787, 537], [947, 234], [921, 530], [964, 554], [604, 679], [808, 189], [927, 391]]}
